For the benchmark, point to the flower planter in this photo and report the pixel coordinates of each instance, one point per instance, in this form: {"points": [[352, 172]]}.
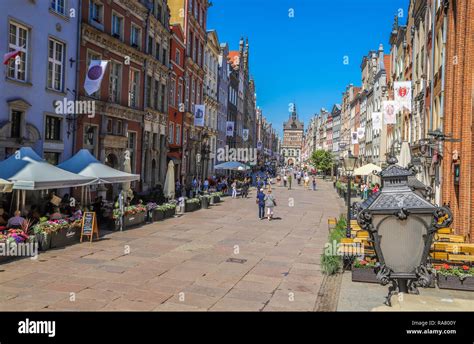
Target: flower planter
{"points": [[454, 282], [366, 275], [158, 215], [65, 237], [189, 207], [134, 220], [215, 199], [170, 212], [44, 241]]}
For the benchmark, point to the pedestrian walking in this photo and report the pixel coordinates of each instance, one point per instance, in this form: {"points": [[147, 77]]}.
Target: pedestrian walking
{"points": [[314, 183], [290, 177], [270, 203], [234, 189], [285, 180], [306, 181], [261, 204], [206, 185], [365, 192]]}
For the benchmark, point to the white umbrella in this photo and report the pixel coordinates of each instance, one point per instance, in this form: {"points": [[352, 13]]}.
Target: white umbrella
{"points": [[367, 170], [405, 155], [169, 190]]}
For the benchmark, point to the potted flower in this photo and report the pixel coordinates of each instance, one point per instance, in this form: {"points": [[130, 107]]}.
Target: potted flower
{"points": [[215, 197], [204, 201], [192, 204], [168, 209], [133, 215], [455, 277], [364, 271], [12, 237], [150, 208]]}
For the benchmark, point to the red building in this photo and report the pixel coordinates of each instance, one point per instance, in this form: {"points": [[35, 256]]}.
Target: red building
{"points": [[178, 128], [115, 33]]}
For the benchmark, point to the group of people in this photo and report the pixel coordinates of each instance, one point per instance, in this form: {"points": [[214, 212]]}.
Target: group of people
{"points": [[365, 188], [309, 182]]}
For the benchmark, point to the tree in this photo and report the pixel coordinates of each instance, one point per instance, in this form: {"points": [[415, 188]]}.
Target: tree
{"points": [[322, 160]]}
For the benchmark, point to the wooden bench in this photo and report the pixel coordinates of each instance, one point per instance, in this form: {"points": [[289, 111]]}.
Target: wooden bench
{"points": [[439, 255], [461, 258], [450, 238], [332, 222], [445, 230], [454, 247]]}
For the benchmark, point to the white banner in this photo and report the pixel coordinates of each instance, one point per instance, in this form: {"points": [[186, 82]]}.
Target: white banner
{"points": [[403, 94], [376, 120], [245, 134], [354, 138], [389, 110], [229, 128], [94, 76], [259, 145], [360, 133], [199, 112]]}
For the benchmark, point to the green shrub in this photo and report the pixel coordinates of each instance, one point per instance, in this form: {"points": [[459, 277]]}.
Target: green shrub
{"points": [[331, 264]]}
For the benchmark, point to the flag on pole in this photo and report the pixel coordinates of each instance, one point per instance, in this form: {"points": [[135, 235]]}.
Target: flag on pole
{"points": [[11, 55], [199, 112], [360, 133], [94, 76], [354, 138], [229, 128], [245, 134]]}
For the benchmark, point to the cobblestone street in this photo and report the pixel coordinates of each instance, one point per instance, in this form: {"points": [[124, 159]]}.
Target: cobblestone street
{"points": [[182, 263]]}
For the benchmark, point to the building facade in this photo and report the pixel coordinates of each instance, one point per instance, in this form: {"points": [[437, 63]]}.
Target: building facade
{"points": [[44, 73], [293, 132]]}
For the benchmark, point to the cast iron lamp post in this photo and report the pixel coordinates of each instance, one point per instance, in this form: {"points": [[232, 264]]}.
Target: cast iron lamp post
{"points": [[349, 163], [401, 225]]}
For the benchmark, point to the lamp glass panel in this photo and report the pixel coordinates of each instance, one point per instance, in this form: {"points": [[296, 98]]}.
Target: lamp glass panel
{"points": [[402, 242]]}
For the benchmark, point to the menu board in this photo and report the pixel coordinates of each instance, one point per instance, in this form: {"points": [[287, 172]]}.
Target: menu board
{"points": [[89, 225]]}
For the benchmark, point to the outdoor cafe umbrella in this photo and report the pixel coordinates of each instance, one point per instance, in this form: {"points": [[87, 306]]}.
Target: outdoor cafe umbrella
{"points": [[366, 170], [169, 188], [405, 155]]}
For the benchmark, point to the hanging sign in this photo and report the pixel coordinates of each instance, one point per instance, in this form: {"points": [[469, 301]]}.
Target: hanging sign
{"points": [[377, 120], [402, 90], [389, 110], [229, 128], [245, 134], [354, 138], [199, 111]]}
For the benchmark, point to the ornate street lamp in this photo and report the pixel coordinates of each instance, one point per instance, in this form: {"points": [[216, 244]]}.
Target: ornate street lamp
{"points": [[349, 163], [401, 225]]}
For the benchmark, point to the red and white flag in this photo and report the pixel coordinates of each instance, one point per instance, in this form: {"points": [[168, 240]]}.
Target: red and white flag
{"points": [[94, 76], [11, 55]]}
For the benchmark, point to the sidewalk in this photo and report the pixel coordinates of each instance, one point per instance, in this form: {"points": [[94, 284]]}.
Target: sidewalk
{"points": [[357, 296]]}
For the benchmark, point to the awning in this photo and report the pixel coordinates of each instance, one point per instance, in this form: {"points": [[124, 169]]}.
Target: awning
{"points": [[5, 186], [85, 164], [28, 171], [232, 165]]}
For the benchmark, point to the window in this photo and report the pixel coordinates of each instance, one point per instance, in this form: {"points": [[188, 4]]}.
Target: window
{"points": [[93, 56], [132, 137], [119, 127], [157, 51], [165, 59], [134, 85], [51, 157], [96, 12], [117, 26], [18, 41], [89, 141], [55, 65], [150, 45], [136, 36], [159, 12], [58, 6], [156, 91], [15, 126], [178, 134], [177, 57], [53, 128], [163, 98], [180, 91], [115, 81], [110, 127], [149, 97], [173, 91], [171, 133]]}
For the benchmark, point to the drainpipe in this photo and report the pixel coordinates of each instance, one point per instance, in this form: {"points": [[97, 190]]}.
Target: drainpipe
{"points": [[439, 177], [78, 56], [145, 97]]}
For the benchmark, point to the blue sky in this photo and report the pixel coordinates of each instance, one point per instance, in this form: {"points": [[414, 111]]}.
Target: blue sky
{"points": [[301, 59]]}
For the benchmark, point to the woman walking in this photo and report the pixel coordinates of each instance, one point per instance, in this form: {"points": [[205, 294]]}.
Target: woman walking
{"points": [[234, 189], [270, 203]]}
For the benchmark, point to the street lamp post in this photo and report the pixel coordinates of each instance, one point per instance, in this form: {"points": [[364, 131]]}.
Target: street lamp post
{"points": [[349, 163], [401, 225]]}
